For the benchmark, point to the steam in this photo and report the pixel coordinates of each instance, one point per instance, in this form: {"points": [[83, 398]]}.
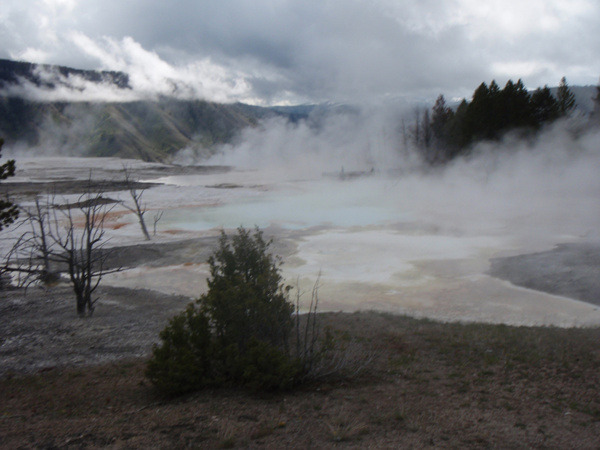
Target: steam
{"points": [[536, 190], [404, 237], [64, 134], [365, 139]]}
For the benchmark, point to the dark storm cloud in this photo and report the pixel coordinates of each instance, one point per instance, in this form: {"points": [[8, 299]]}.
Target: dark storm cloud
{"points": [[308, 50]]}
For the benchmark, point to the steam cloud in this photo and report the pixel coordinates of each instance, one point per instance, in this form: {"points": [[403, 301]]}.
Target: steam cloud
{"points": [[550, 183], [355, 139]]}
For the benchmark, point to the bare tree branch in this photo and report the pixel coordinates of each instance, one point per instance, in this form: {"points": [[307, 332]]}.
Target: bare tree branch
{"points": [[139, 208], [157, 217], [69, 238]]}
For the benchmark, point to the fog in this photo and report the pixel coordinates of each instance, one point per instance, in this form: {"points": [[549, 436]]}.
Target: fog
{"points": [[361, 138], [344, 197], [539, 186]]}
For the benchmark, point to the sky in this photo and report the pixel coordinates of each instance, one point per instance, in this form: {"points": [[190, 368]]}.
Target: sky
{"points": [[271, 52]]}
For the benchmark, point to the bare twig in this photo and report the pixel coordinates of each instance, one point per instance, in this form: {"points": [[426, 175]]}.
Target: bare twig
{"points": [[157, 217], [68, 238], [139, 208]]}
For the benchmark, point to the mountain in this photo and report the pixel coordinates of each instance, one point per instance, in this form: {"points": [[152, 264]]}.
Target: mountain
{"points": [[149, 130], [14, 72]]}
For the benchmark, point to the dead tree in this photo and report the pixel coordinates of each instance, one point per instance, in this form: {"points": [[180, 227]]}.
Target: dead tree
{"points": [[29, 259], [79, 242], [157, 217], [68, 238], [139, 208]]}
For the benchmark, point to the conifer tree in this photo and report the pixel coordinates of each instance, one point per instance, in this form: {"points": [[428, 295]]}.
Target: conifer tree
{"points": [[8, 210], [544, 106], [441, 115], [597, 103], [565, 98]]}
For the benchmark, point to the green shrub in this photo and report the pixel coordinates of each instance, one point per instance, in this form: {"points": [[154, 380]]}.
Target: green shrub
{"points": [[182, 362], [246, 298], [268, 368], [239, 332]]}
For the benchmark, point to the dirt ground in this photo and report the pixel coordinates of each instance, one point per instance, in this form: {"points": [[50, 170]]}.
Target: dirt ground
{"points": [[428, 385]]}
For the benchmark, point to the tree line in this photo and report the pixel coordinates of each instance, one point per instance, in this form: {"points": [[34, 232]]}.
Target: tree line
{"points": [[447, 132]]}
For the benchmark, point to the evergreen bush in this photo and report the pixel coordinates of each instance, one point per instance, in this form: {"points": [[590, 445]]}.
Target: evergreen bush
{"points": [[239, 332], [183, 361]]}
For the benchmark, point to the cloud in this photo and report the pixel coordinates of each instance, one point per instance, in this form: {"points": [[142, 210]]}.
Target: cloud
{"points": [[150, 77], [293, 51]]}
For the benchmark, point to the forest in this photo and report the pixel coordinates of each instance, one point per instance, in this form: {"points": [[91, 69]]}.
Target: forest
{"points": [[492, 112]]}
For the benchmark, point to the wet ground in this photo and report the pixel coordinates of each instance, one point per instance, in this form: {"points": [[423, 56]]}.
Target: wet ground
{"points": [[449, 248]]}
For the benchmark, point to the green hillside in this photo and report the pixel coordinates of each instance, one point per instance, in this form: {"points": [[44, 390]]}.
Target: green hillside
{"points": [[151, 131], [147, 130]]}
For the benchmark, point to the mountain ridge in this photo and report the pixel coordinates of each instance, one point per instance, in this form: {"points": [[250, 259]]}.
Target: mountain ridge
{"points": [[151, 130]]}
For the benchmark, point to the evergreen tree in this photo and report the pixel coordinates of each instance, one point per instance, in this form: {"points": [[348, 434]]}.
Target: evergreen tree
{"points": [[493, 112], [426, 129], [565, 98], [506, 105], [522, 115], [597, 103], [441, 119], [513, 110], [240, 332], [8, 210], [246, 296], [494, 90], [478, 116], [544, 106], [441, 115], [457, 135]]}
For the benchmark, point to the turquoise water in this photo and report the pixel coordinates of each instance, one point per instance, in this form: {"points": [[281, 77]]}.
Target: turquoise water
{"points": [[333, 204]]}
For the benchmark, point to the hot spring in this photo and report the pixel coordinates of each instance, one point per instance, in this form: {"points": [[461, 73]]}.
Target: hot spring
{"points": [[417, 243]]}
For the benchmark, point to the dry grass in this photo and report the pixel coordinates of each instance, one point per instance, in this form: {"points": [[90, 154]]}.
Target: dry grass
{"points": [[428, 384]]}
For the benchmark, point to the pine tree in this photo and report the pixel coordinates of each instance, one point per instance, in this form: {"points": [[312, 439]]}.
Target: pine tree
{"points": [[8, 210], [441, 120], [544, 106], [565, 98], [478, 115], [597, 103], [441, 115]]}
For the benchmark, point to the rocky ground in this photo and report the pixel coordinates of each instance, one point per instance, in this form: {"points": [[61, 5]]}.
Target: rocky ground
{"points": [[570, 270], [40, 329]]}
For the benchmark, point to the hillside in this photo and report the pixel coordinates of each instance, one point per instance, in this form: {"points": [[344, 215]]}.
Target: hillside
{"points": [[148, 130]]}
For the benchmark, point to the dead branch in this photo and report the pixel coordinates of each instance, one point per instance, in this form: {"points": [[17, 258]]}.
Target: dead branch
{"points": [[139, 207]]}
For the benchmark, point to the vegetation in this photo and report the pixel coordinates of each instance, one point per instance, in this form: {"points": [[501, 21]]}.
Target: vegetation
{"points": [[240, 332], [147, 130], [490, 114], [8, 210], [68, 238], [432, 385], [139, 207], [565, 98], [596, 112]]}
